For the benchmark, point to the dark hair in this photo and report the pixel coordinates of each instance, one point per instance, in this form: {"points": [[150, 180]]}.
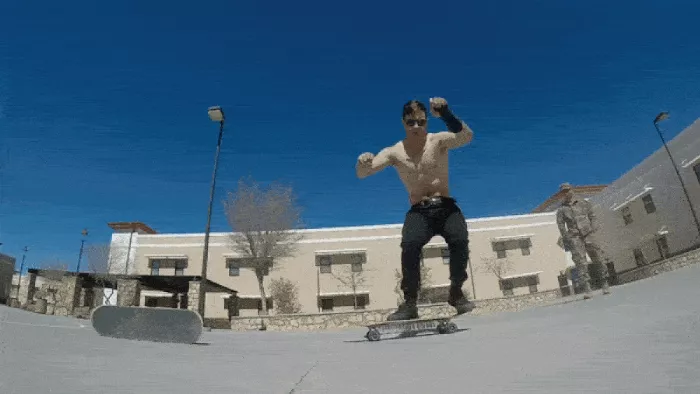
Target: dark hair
{"points": [[412, 107]]}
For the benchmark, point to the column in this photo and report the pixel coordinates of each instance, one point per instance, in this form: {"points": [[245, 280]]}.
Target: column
{"points": [[193, 296], [67, 295], [128, 292], [27, 290]]}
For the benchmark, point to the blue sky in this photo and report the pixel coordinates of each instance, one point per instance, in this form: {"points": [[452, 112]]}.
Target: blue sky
{"points": [[103, 105]]}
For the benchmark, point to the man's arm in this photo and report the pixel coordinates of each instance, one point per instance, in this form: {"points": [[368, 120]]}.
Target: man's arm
{"points": [[592, 217], [452, 140], [459, 133], [369, 164], [560, 222], [564, 238]]}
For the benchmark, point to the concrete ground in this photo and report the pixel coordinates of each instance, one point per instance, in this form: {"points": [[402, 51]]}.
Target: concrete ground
{"points": [[644, 338]]}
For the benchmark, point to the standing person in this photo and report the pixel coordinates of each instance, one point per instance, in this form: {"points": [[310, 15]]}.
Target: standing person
{"points": [[421, 161], [577, 225]]}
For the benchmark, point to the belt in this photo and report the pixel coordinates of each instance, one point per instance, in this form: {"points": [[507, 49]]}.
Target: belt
{"points": [[436, 200]]}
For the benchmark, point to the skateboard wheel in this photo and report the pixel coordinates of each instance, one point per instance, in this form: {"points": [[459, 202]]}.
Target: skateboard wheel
{"points": [[451, 327], [373, 335]]}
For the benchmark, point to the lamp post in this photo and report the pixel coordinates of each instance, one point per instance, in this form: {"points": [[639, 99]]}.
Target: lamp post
{"points": [[21, 268], [216, 114], [82, 244], [659, 118]]}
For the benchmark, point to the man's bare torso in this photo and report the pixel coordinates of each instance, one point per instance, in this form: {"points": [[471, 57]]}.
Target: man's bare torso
{"points": [[423, 169]]}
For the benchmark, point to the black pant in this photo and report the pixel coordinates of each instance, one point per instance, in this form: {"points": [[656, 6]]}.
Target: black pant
{"points": [[437, 216]]}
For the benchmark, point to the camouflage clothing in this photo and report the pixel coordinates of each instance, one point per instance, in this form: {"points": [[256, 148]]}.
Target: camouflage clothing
{"points": [[577, 223]]}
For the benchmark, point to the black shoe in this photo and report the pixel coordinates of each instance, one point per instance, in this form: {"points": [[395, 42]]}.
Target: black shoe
{"points": [[459, 301], [406, 311]]}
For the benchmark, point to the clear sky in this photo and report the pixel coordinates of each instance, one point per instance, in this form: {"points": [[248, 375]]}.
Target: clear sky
{"points": [[103, 104]]}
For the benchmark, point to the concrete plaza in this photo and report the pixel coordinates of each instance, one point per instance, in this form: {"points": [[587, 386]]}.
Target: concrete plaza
{"points": [[641, 339]]}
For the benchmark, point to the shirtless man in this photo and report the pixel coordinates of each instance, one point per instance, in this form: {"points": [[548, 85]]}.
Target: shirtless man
{"points": [[421, 162]]}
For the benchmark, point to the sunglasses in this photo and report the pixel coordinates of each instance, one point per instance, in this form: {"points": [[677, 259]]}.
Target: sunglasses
{"points": [[413, 122]]}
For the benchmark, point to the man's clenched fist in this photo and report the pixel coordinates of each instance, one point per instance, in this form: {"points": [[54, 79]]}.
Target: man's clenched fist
{"points": [[438, 106], [365, 159]]}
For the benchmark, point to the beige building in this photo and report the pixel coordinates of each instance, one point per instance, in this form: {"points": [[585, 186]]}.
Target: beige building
{"points": [[7, 270], [521, 249]]}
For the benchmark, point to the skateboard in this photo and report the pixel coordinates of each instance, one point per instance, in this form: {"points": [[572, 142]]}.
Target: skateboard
{"points": [[155, 324], [442, 325]]}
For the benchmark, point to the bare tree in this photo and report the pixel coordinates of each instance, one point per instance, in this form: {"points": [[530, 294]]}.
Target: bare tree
{"points": [[286, 295], [351, 279], [99, 263], [497, 267], [54, 269], [263, 222]]}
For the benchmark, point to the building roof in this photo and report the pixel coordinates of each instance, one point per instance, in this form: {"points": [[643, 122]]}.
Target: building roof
{"points": [[554, 199], [131, 226]]}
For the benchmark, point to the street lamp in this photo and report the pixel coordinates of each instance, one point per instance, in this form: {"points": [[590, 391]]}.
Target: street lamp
{"points": [[659, 118], [82, 243], [216, 114], [21, 268]]}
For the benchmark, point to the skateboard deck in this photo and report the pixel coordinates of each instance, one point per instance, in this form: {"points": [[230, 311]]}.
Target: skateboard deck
{"points": [[147, 324], [441, 325]]}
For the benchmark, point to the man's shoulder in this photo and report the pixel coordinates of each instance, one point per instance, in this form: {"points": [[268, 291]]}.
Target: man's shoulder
{"points": [[394, 148]]}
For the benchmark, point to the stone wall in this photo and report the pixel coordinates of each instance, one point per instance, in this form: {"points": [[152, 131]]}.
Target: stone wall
{"points": [[671, 264], [67, 295], [326, 321], [54, 295], [128, 292]]}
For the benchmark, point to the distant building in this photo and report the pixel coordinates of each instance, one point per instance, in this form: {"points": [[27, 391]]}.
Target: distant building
{"points": [[7, 270], [645, 213], [329, 258]]}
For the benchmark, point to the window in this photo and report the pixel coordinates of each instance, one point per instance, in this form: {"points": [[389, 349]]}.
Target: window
{"points": [[155, 267], [522, 242], [326, 304], [180, 268], [445, 255], [649, 204], [662, 245], [324, 263], [627, 215], [361, 302], [507, 287], [178, 265], [356, 261], [525, 247], [259, 305], [532, 283], [639, 257], [234, 271], [234, 267]]}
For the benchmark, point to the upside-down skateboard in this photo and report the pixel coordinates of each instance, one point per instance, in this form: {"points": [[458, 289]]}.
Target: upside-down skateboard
{"points": [[153, 324], [442, 325]]}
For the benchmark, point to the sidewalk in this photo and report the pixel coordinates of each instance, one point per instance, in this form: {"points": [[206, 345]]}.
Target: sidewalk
{"points": [[640, 339]]}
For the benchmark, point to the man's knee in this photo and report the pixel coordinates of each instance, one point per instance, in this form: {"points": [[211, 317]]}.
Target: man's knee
{"points": [[412, 247], [459, 250]]}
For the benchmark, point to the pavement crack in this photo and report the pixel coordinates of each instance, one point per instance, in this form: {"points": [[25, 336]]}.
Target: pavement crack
{"points": [[302, 377]]}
